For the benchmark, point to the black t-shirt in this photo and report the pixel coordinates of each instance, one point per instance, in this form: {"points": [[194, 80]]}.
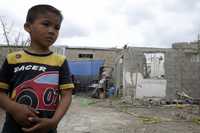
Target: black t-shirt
{"points": [[35, 80]]}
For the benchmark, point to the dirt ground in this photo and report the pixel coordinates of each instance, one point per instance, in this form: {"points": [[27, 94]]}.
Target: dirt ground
{"points": [[88, 115]]}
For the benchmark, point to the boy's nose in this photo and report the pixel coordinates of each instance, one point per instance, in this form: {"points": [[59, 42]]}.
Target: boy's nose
{"points": [[51, 30]]}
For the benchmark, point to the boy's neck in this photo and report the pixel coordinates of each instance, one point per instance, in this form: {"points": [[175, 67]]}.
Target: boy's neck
{"points": [[38, 51]]}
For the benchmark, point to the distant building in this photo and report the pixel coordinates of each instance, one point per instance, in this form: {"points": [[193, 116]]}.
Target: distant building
{"points": [[86, 53]]}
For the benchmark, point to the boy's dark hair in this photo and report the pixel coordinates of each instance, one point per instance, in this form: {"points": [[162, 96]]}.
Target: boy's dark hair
{"points": [[36, 10]]}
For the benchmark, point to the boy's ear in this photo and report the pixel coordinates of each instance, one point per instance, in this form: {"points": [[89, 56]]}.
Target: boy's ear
{"points": [[27, 27]]}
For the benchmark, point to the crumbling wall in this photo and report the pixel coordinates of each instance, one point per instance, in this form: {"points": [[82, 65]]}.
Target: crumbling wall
{"points": [[133, 66], [172, 73], [187, 68], [133, 63], [182, 66]]}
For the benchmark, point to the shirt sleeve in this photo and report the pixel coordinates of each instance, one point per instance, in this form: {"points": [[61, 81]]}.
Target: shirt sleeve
{"points": [[5, 76], [65, 77]]}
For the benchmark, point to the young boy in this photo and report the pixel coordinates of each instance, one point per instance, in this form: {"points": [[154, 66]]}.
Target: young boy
{"points": [[36, 80]]}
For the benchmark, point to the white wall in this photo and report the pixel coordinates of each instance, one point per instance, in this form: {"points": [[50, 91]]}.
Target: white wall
{"points": [[151, 88]]}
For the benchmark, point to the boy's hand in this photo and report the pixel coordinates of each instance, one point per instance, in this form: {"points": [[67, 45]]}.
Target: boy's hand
{"points": [[22, 112], [42, 125]]}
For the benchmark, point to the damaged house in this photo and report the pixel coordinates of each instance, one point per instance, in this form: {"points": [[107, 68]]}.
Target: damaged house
{"points": [[159, 72]]}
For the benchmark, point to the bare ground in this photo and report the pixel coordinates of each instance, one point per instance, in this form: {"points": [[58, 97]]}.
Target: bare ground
{"points": [[111, 116]]}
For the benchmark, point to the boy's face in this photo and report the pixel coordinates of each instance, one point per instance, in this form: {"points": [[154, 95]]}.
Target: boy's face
{"points": [[44, 30]]}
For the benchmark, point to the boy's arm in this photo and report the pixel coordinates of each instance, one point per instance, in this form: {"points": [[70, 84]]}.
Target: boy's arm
{"points": [[66, 87], [18, 111], [66, 98], [6, 103]]}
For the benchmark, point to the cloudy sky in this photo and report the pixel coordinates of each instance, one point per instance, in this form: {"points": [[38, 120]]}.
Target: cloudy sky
{"points": [[113, 23]]}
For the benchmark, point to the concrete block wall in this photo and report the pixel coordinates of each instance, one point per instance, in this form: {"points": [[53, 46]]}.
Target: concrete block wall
{"points": [[188, 73], [108, 55], [172, 71], [181, 73], [134, 62]]}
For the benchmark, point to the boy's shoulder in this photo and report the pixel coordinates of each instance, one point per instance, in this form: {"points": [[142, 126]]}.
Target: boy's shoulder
{"points": [[15, 54], [59, 58]]}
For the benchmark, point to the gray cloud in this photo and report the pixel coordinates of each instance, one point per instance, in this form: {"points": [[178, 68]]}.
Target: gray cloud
{"points": [[9, 17], [164, 36], [70, 30], [138, 16], [162, 23], [134, 12], [180, 6], [14, 27]]}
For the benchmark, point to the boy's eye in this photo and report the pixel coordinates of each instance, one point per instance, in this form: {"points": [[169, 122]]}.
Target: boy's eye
{"points": [[45, 23]]}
